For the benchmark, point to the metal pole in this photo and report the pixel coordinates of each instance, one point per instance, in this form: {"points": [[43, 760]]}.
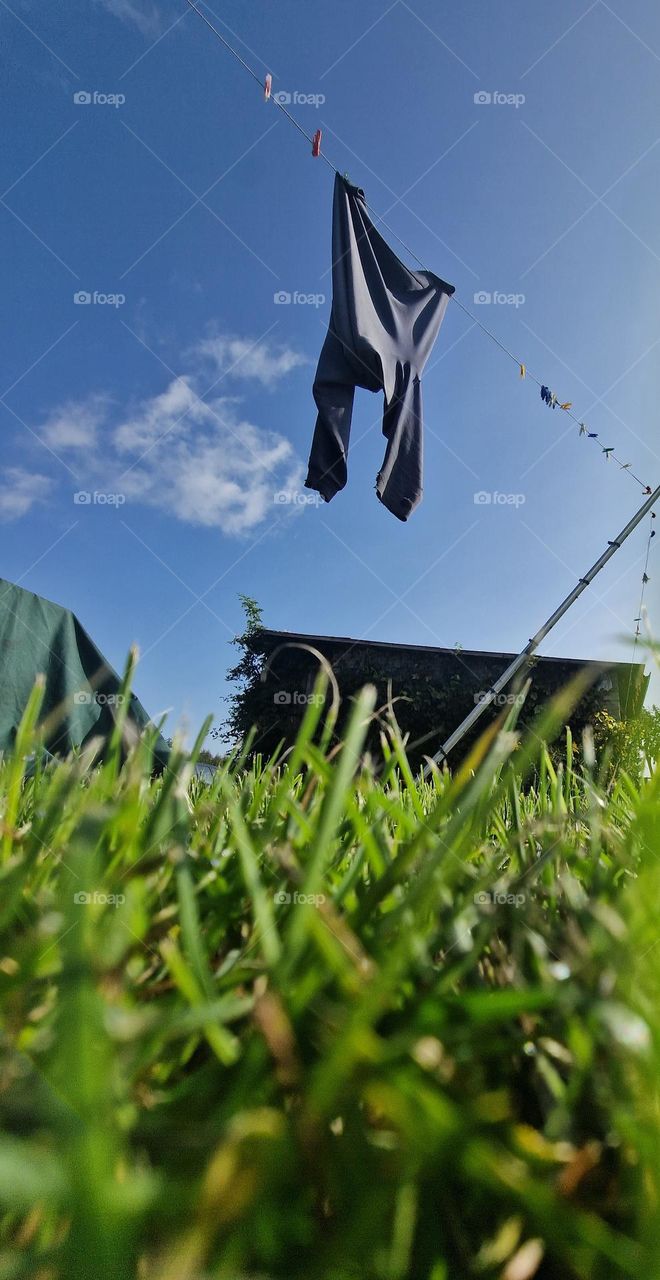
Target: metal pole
{"points": [[533, 644]]}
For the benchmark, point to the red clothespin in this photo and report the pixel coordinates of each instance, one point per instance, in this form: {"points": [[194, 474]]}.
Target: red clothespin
{"points": [[268, 85], [316, 143]]}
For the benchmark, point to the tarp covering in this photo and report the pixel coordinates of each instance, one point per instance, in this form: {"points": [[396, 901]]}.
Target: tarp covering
{"points": [[81, 697]]}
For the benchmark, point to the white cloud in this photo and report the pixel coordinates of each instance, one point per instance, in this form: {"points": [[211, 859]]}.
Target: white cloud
{"points": [[208, 467], [198, 460], [142, 14], [157, 416], [74, 425], [19, 490], [259, 361]]}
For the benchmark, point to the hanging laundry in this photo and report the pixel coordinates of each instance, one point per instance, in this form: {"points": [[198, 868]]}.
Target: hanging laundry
{"points": [[383, 323], [546, 395]]}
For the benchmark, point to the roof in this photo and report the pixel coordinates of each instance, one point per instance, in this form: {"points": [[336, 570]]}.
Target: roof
{"points": [[306, 638]]}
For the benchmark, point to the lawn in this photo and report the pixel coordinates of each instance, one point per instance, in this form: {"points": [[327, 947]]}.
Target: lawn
{"points": [[322, 1018]]}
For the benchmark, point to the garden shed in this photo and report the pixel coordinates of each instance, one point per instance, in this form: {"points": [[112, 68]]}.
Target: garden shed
{"points": [[433, 687]]}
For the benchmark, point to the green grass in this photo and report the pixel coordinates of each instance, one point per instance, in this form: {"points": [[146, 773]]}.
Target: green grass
{"points": [[332, 1023]]}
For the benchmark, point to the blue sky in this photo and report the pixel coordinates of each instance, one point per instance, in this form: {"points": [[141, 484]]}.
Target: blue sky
{"points": [[184, 386]]}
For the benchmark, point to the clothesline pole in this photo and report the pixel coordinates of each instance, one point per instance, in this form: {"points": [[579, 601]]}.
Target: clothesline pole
{"points": [[531, 647]]}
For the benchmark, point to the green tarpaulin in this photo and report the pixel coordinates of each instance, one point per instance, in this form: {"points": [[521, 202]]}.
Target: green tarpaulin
{"points": [[82, 689]]}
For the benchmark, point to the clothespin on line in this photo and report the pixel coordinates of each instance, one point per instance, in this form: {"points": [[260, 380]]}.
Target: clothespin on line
{"points": [[316, 143], [268, 87]]}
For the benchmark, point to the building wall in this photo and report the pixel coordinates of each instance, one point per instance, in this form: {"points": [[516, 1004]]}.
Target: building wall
{"points": [[432, 690]]}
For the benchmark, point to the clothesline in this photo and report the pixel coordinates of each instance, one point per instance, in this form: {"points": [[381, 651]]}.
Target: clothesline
{"points": [[524, 370]]}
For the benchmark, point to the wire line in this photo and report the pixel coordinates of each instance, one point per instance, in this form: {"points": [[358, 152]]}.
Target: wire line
{"points": [[475, 320]]}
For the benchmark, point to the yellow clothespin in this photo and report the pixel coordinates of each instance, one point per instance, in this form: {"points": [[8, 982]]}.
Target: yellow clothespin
{"points": [[523, 371], [567, 405]]}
